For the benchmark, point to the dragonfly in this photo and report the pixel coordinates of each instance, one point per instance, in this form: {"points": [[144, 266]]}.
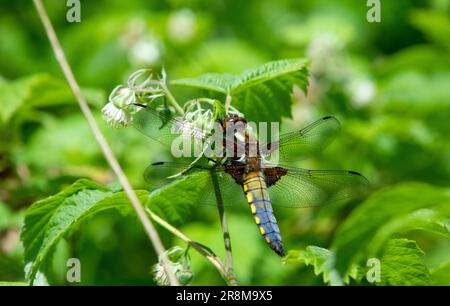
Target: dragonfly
{"points": [[253, 178]]}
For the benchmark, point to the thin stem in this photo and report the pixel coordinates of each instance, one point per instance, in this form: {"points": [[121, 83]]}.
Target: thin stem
{"points": [[227, 102], [107, 152], [151, 91], [211, 257], [206, 100], [171, 98], [225, 232]]}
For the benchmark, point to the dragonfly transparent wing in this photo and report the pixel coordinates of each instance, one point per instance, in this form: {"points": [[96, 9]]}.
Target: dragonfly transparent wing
{"points": [[161, 125], [199, 177], [156, 124], [312, 188], [300, 144], [231, 192]]}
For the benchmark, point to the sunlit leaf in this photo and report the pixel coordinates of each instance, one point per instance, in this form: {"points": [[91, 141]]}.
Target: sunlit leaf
{"points": [[220, 82], [321, 259], [402, 264], [262, 93], [49, 220]]}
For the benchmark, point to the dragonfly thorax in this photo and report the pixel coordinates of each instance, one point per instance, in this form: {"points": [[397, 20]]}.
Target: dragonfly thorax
{"points": [[252, 164], [239, 141]]}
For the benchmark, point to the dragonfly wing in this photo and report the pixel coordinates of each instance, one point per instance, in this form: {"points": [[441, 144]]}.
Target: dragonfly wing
{"points": [[155, 124], [199, 177], [160, 125], [231, 193], [161, 171], [312, 188], [300, 144]]}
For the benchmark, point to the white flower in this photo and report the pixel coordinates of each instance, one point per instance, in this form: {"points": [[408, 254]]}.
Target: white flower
{"points": [[160, 275], [122, 97], [196, 124], [187, 129], [121, 107], [140, 88], [115, 116], [178, 262]]}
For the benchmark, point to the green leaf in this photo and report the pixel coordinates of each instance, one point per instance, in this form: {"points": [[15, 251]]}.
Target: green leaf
{"points": [[270, 72], [49, 220], [440, 276], [174, 201], [262, 93], [402, 264], [424, 219], [321, 259], [219, 82], [39, 90], [12, 95], [404, 207]]}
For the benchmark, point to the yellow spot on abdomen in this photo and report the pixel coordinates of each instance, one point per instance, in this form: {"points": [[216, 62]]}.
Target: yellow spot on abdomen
{"points": [[261, 230], [257, 220], [249, 197], [253, 208], [267, 239], [245, 187]]}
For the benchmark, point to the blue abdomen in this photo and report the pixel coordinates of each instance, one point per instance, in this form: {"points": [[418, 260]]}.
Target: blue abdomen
{"points": [[255, 189]]}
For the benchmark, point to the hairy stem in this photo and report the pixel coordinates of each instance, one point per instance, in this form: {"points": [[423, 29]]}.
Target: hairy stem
{"points": [[225, 232], [107, 152]]}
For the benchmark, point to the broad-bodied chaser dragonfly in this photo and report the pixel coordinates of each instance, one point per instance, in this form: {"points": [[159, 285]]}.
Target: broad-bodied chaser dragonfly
{"points": [[254, 179]]}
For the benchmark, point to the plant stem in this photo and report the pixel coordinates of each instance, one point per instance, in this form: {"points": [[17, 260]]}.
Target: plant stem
{"points": [[171, 98], [107, 152], [227, 102], [210, 256], [225, 232]]}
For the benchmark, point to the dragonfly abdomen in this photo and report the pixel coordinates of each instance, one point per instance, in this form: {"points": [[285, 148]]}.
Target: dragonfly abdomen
{"points": [[255, 189]]}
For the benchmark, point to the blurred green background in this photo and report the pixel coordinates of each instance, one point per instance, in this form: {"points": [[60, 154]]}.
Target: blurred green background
{"points": [[387, 82]]}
